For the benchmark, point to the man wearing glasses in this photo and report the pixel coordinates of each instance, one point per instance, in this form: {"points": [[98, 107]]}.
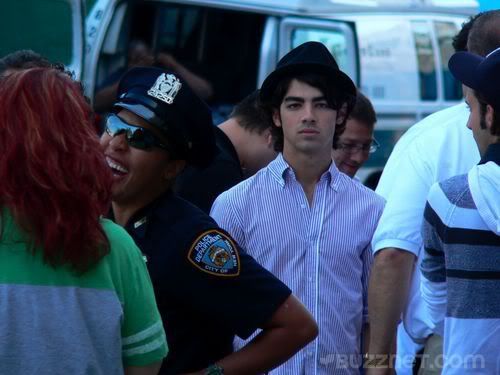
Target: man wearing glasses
{"points": [[356, 143], [208, 290]]}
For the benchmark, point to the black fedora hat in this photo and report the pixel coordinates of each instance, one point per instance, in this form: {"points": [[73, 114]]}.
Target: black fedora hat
{"points": [[308, 57]]}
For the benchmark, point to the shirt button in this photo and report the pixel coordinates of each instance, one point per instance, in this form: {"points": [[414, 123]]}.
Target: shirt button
{"points": [[302, 206], [310, 278]]}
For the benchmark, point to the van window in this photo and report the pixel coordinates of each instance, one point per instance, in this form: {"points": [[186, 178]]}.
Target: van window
{"points": [[198, 37], [334, 40], [337, 36], [425, 58], [445, 31], [388, 59]]}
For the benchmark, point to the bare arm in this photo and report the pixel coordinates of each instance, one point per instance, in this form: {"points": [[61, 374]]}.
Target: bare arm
{"points": [[387, 295], [143, 370], [290, 329]]}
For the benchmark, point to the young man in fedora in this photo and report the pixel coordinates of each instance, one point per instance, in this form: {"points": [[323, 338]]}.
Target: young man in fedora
{"points": [[301, 218], [461, 232], [208, 290]]}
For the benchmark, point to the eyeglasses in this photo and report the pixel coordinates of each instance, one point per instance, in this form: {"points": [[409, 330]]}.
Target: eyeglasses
{"points": [[353, 148], [136, 136]]}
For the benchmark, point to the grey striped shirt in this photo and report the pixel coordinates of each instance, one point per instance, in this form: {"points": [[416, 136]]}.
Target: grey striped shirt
{"points": [[322, 252]]}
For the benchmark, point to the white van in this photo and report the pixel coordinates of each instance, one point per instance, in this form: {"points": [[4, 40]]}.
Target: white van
{"points": [[395, 50]]}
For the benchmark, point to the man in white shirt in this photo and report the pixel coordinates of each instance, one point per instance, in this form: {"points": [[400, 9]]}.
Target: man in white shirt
{"points": [[434, 150]]}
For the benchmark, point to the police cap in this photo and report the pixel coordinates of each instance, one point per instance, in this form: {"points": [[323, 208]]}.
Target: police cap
{"points": [[166, 102]]}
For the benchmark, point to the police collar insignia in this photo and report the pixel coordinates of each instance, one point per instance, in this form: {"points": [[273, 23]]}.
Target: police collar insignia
{"points": [[138, 223], [166, 88], [215, 253]]}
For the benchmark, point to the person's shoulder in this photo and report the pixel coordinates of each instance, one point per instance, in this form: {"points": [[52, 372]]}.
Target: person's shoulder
{"points": [[447, 195], [117, 235], [451, 189], [123, 250], [248, 187], [361, 191], [177, 214], [444, 120], [433, 129]]}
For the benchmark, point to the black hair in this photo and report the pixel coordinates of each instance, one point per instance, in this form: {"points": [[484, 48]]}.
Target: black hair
{"points": [[484, 35], [335, 98], [363, 111], [25, 59], [460, 40], [495, 128], [250, 114]]}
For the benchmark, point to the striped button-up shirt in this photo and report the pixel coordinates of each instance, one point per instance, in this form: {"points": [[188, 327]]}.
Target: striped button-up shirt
{"points": [[321, 251]]}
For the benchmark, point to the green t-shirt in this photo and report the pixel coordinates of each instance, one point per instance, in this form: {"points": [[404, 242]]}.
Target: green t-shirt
{"points": [[55, 321]]}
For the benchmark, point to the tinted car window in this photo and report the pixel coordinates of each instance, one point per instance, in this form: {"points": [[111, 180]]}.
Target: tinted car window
{"points": [[426, 61], [445, 31]]}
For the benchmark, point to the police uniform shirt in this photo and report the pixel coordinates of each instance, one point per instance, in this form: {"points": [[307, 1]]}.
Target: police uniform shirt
{"points": [[207, 288], [202, 187]]}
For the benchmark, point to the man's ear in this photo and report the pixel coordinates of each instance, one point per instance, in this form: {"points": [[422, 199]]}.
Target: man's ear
{"points": [[173, 168], [488, 117], [277, 118], [268, 136], [342, 114], [464, 90]]}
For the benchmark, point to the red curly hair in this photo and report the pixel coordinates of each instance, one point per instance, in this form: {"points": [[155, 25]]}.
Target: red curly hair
{"points": [[53, 174]]}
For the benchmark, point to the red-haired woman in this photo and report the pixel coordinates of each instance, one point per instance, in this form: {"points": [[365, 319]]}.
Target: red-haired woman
{"points": [[75, 296]]}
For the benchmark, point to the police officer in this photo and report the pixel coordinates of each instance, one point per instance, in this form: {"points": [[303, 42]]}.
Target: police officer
{"points": [[208, 289]]}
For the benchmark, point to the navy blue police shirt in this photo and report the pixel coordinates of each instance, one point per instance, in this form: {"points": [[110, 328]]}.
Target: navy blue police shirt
{"points": [[202, 186], [208, 289]]}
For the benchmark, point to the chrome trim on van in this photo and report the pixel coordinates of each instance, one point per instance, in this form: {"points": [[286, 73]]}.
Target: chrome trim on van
{"points": [[269, 50]]}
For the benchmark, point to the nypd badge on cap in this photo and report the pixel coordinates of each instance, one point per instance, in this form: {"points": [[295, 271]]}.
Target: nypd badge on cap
{"points": [[165, 88]]}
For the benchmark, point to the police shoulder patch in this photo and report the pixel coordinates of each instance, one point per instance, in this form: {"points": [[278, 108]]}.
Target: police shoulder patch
{"points": [[215, 253]]}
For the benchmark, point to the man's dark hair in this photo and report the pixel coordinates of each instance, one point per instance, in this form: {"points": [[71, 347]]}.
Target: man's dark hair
{"points": [[495, 128], [460, 40], [328, 87], [363, 111], [484, 35], [250, 114], [24, 59]]}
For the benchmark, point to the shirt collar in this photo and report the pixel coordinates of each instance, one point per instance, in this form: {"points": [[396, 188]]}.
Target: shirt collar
{"points": [[492, 154], [138, 223], [281, 170]]}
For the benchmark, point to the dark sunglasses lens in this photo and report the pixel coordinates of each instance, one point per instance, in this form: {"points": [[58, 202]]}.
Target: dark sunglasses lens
{"points": [[136, 137]]}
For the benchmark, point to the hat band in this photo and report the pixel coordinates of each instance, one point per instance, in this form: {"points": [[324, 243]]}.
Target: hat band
{"points": [[155, 119]]}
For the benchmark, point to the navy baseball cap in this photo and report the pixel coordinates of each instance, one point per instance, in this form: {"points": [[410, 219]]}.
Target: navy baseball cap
{"points": [[308, 57], [482, 74], [166, 102]]}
